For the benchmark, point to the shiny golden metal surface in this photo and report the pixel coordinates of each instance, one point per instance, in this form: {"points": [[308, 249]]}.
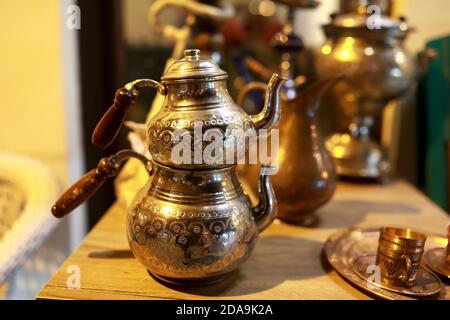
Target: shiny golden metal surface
{"points": [[378, 69], [192, 223], [399, 255], [345, 246]]}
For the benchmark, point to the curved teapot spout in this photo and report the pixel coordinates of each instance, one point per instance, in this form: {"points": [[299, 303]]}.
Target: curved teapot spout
{"points": [[266, 209], [310, 98], [270, 115]]}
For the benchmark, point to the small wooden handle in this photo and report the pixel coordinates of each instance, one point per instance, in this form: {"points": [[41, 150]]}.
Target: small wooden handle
{"points": [[84, 188], [109, 125]]}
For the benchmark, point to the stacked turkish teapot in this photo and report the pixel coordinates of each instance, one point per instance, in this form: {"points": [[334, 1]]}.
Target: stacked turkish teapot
{"points": [[192, 222]]}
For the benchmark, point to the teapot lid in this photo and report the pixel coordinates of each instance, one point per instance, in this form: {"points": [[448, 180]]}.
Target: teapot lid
{"points": [[192, 66]]}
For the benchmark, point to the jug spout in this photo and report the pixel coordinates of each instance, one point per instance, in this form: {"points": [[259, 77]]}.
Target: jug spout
{"points": [[266, 209], [270, 115]]}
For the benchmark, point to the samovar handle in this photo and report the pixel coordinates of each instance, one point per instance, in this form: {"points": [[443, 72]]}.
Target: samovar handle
{"points": [[218, 13], [86, 187], [109, 125], [194, 9]]}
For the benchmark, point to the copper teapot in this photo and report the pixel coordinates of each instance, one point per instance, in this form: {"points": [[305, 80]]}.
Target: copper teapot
{"points": [[192, 223]]}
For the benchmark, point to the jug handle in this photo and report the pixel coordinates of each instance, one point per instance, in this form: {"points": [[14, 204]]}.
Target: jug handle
{"points": [[219, 12], [109, 125], [87, 185], [252, 86]]}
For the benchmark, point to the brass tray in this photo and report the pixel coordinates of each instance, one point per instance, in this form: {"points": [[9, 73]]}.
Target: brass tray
{"points": [[343, 247], [436, 260], [427, 282]]}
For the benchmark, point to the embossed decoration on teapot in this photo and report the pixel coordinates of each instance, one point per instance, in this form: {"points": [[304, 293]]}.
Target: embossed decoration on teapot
{"points": [[180, 240], [220, 116]]}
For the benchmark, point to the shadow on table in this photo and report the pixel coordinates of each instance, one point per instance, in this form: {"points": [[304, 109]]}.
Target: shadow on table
{"points": [[275, 260], [347, 213], [111, 254]]}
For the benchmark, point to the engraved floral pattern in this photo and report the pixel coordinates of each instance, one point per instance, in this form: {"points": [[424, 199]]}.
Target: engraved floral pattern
{"points": [[190, 242]]}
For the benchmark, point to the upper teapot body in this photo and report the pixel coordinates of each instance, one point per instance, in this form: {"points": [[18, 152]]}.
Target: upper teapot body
{"points": [[198, 126]]}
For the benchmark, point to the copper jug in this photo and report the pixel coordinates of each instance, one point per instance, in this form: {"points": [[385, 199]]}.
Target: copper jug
{"points": [[306, 178], [192, 223]]}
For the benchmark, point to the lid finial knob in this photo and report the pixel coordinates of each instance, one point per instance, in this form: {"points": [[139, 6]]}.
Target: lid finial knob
{"points": [[192, 54]]}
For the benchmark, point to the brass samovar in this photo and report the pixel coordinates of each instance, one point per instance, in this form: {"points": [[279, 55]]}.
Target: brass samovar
{"points": [[366, 45]]}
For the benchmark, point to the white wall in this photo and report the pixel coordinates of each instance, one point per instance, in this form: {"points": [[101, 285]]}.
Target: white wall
{"points": [[309, 22], [431, 18], [32, 117]]}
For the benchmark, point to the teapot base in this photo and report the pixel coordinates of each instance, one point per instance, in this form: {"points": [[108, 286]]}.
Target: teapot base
{"points": [[189, 282]]}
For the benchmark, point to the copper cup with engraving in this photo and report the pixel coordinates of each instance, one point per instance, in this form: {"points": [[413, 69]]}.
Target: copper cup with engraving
{"points": [[399, 255]]}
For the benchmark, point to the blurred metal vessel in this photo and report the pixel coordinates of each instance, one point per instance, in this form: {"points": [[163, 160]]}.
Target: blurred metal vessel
{"points": [[306, 178], [366, 45]]}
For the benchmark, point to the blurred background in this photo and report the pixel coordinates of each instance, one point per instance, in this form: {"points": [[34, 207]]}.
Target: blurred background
{"points": [[61, 62]]}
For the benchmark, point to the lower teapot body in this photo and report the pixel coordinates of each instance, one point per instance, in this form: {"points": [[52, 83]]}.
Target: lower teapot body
{"points": [[191, 227]]}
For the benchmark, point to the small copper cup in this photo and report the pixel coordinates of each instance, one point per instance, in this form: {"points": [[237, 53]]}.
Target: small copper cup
{"points": [[399, 255]]}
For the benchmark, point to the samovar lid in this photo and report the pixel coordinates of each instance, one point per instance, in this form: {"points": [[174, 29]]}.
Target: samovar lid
{"points": [[193, 66], [352, 20], [352, 24], [367, 17]]}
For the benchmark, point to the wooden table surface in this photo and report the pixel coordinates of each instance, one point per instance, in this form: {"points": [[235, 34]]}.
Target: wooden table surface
{"points": [[286, 263]]}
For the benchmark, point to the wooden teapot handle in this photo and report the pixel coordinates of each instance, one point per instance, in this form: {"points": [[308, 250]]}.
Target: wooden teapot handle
{"points": [[86, 187], [109, 125]]}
